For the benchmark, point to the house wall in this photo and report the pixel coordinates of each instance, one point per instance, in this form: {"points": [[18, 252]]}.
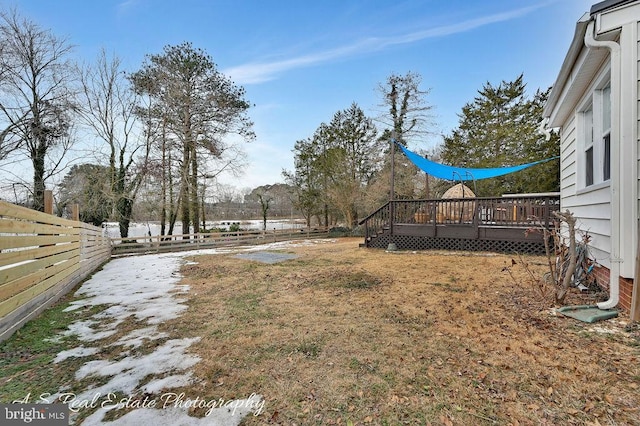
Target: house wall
{"points": [[592, 205]]}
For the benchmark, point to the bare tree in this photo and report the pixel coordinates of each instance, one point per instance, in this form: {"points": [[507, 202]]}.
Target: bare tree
{"points": [[408, 117], [36, 102], [405, 108], [265, 203], [109, 110]]}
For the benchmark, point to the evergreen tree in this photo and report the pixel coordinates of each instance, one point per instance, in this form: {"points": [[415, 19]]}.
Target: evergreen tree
{"points": [[335, 166], [198, 107], [305, 180], [500, 128], [88, 186], [354, 156]]}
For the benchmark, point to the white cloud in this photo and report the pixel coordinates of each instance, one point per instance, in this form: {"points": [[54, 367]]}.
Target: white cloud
{"points": [[258, 72], [126, 5]]}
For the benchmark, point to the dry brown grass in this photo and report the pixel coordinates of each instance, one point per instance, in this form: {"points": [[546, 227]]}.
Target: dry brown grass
{"points": [[347, 335]]}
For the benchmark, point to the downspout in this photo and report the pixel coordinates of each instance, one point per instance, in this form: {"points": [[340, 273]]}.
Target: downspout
{"points": [[616, 132], [543, 130]]}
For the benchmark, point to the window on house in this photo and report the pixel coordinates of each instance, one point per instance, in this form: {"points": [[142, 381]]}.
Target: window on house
{"points": [[606, 133], [589, 166], [594, 135], [606, 166], [588, 146]]}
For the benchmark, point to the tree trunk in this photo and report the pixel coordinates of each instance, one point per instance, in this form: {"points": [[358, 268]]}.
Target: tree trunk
{"points": [[567, 280], [173, 208], [184, 191], [193, 184], [124, 207], [173, 215], [204, 213], [38, 177], [163, 210]]}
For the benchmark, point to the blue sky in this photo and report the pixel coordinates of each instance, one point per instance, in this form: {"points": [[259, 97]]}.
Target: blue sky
{"points": [[301, 61]]}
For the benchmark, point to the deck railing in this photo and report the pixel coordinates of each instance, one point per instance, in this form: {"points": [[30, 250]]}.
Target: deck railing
{"points": [[520, 211]]}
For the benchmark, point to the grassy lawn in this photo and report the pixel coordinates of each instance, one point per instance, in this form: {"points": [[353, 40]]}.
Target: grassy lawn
{"points": [[345, 335]]}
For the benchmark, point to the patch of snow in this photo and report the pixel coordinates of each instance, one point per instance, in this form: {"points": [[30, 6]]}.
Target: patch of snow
{"points": [[175, 381], [137, 337], [85, 331], [603, 330], [146, 288], [78, 352], [140, 286], [170, 356]]}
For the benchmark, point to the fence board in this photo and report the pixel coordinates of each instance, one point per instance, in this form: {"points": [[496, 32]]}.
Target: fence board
{"points": [[17, 212], [14, 302], [17, 318], [31, 267], [22, 283], [11, 257], [41, 258], [18, 241], [12, 226]]}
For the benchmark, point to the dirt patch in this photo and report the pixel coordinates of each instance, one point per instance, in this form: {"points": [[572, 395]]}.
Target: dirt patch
{"points": [[266, 256], [346, 334]]}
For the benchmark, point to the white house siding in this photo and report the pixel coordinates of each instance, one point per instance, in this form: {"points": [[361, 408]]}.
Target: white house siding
{"points": [[568, 179], [592, 205]]}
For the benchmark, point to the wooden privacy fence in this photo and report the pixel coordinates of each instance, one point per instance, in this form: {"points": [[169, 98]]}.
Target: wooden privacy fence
{"points": [[42, 257], [203, 240]]}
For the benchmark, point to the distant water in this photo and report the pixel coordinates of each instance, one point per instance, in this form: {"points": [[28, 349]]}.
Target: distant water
{"points": [[143, 229]]}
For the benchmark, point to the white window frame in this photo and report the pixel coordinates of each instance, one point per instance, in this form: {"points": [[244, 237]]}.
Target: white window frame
{"points": [[591, 134]]}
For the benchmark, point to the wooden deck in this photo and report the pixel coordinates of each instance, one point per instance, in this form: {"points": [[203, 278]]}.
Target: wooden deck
{"points": [[478, 224]]}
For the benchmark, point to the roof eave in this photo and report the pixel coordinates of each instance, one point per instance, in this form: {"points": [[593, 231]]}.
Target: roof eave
{"points": [[577, 44]]}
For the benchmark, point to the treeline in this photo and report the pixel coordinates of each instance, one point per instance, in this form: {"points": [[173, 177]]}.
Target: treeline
{"points": [[155, 140], [167, 125], [343, 171]]}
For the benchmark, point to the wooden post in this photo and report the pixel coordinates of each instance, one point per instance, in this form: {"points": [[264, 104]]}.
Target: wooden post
{"points": [[635, 296], [392, 191], [48, 201], [75, 212]]}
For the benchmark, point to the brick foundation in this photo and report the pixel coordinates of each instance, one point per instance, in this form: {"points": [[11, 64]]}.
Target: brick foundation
{"points": [[626, 286]]}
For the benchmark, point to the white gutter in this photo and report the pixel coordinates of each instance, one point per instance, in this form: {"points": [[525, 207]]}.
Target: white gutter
{"points": [[614, 272], [543, 130]]}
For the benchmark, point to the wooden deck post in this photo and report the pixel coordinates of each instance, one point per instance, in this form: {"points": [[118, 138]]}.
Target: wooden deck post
{"points": [[75, 212], [392, 193]]}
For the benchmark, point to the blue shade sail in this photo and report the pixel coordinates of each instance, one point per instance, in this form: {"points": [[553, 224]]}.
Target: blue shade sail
{"points": [[443, 171]]}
